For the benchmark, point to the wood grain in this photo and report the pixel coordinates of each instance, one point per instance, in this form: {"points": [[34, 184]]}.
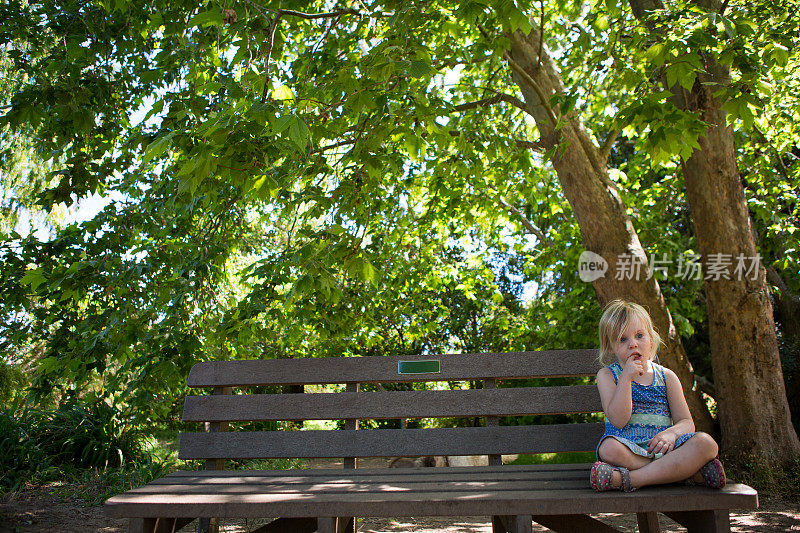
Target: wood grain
{"points": [[461, 491], [391, 442], [394, 404], [383, 369]]}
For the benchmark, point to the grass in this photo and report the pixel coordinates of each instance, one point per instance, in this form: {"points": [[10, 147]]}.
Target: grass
{"points": [[92, 486], [555, 458]]}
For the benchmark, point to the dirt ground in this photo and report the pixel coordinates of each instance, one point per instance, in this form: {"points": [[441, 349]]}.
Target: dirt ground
{"points": [[44, 509]]}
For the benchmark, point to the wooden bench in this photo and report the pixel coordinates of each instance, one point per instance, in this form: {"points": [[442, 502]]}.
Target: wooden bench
{"points": [[556, 496]]}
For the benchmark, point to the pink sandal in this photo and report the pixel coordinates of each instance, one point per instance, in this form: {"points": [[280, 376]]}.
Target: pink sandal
{"points": [[713, 475], [602, 474]]}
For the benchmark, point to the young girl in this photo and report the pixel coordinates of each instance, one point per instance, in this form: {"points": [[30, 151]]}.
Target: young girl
{"points": [[649, 437]]}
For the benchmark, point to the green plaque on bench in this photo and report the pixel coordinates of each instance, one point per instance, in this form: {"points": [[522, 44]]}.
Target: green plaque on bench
{"points": [[429, 366]]}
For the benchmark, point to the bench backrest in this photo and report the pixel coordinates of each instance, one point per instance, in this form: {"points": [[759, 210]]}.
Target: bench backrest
{"points": [[489, 402]]}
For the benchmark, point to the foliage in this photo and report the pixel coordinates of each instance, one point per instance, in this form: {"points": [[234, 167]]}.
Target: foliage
{"points": [[556, 458], [360, 183], [41, 442], [19, 454], [11, 383], [92, 486]]}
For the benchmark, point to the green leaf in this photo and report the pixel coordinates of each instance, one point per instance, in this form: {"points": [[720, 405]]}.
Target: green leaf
{"points": [[420, 69], [206, 18], [681, 72], [281, 123], [284, 92], [369, 273], [656, 54], [779, 54], [298, 133], [156, 148], [34, 278]]}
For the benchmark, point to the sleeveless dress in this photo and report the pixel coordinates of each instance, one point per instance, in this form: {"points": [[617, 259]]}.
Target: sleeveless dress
{"points": [[650, 414]]}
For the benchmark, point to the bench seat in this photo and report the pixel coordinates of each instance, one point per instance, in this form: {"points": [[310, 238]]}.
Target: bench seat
{"points": [[509, 489]]}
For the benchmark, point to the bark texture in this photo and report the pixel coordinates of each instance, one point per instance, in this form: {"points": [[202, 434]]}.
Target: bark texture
{"points": [[753, 410], [606, 228], [787, 313]]}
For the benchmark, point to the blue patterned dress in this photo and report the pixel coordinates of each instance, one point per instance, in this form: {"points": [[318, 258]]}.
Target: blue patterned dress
{"points": [[650, 414]]}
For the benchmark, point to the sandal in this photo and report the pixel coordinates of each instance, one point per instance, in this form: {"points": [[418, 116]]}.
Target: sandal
{"points": [[713, 475], [602, 474]]}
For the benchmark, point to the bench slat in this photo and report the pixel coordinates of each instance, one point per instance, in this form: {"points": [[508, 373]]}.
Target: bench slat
{"points": [[384, 369], [391, 442], [374, 475], [550, 489], [394, 404], [336, 471], [465, 503], [360, 486]]}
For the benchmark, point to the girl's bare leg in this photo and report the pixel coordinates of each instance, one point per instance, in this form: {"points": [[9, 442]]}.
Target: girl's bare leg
{"points": [[614, 452], [678, 465]]}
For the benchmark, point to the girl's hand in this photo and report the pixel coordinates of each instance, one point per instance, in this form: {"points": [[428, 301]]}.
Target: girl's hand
{"points": [[664, 442], [632, 369]]}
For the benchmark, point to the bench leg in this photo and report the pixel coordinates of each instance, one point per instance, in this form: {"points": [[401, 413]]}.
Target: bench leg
{"points": [[339, 524], [289, 525], [574, 522], [346, 525], [208, 525], [717, 521], [157, 525], [498, 526], [326, 524], [512, 524], [648, 522]]}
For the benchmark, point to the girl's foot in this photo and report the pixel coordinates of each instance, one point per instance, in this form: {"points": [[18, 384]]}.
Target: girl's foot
{"points": [[606, 477], [711, 475]]}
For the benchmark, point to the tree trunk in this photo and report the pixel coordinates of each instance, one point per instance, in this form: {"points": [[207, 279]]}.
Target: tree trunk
{"points": [[753, 410], [606, 228], [787, 314]]}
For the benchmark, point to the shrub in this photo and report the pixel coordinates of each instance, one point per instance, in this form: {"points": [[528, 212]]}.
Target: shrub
{"points": [[19, 454], [85, 435], [37, 443]]}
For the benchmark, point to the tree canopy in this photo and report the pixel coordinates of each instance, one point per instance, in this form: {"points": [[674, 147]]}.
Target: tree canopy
{"points": [[313, 178]]}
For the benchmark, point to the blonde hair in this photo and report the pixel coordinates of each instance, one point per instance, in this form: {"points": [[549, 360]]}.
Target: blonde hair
{"points": [[616, 317]]}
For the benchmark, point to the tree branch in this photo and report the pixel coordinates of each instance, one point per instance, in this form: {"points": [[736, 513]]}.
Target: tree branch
{"points": [[335, 145], [605, 150], [300, 14], [522, 218], [525, 222], [531, 145], [273, 25], [527, 77], [541, 37], [450, 64], [513, 100], [312, 16]]}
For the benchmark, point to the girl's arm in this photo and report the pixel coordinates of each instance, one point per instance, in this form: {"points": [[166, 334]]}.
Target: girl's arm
{"points": [[682, 421], [616, 397]]}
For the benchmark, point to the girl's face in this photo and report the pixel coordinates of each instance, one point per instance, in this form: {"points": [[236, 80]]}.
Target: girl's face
{"points": [[634, 343]]}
